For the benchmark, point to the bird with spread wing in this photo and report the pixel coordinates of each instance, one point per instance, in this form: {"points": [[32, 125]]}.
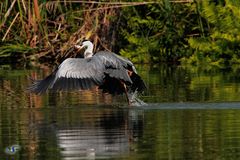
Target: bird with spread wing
{"points": [[106, 70]]}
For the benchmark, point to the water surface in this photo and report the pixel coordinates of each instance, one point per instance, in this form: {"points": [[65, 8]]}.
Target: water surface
{"points": [[192, 113]]}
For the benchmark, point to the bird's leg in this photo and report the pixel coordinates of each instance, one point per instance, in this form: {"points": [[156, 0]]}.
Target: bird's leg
{"points": [[126, 93]]}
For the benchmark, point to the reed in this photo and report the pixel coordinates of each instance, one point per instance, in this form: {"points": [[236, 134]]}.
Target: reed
{"points": [[53, 27]]}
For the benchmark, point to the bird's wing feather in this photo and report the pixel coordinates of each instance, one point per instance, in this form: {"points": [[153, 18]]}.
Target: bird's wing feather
{"points": [[115, 66], [73, 73], [79, 68]]}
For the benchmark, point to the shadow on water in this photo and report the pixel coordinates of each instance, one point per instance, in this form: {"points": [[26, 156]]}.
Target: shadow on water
{"points": [[191, 113]]}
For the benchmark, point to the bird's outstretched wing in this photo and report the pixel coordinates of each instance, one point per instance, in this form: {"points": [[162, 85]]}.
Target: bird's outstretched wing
{"points": [[78, 73], [115, 66], [73, 73]]}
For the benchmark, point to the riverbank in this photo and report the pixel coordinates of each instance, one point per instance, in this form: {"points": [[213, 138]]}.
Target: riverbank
{"points": [[187, 32]]}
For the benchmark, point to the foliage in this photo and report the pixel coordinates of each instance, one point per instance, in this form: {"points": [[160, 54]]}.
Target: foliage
{"points": [[196, 32], [158, 32], [199, 32], [221, 43], [14, 49]]}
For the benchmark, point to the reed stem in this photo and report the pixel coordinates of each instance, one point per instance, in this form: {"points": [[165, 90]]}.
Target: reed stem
{"points": [[9, 28]]}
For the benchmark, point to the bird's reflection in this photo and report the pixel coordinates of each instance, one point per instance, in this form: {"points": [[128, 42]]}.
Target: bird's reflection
{"points": [[110, 134]]}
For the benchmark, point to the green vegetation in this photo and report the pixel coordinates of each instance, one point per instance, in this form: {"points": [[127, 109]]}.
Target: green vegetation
{"points": [[220, 43], [193, 32], [159, 32]]}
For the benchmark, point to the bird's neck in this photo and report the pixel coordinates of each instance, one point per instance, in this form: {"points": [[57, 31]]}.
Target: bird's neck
{"points": [[88, 52]]}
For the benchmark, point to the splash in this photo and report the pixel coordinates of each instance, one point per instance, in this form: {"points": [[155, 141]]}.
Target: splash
{"points": [[134, 100]]}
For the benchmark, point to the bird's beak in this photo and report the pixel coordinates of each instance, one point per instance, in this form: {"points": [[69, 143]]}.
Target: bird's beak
{"points": [[78, 47]]}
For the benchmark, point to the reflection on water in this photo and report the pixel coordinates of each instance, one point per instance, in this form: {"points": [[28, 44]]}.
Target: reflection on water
{"points": [[192, 114], [100, 132], [109, 134]]}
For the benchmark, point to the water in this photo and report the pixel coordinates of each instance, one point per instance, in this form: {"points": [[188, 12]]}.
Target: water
{"points": [[191, 113]]}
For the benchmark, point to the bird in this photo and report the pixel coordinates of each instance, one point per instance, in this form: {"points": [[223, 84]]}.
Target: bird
{"points": [[106, 70]]}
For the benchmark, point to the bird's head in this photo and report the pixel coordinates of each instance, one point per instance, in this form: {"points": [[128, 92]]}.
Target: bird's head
{"points": [[88, 47]]}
